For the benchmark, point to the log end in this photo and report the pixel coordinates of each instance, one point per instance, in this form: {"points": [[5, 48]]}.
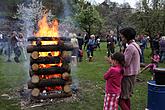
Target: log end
{"points": [[35, 92], [35, 67], [35, 79]]}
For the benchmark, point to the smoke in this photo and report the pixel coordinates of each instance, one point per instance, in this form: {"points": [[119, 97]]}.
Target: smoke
{"points": [[31, 11], [67, 9], [66, 26], [67, 23], [75, 82]]}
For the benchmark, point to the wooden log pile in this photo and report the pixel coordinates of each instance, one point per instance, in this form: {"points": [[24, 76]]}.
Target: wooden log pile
{"points": [[49, 74]]}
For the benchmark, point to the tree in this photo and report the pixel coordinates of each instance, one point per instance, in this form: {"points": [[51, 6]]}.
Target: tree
{"points": [[56, 6], [115, 16], [149, 17], [87, 17]]}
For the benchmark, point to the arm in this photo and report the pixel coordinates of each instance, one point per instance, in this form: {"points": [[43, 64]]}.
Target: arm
{"points": [[108, 59], [108, 74], [128, 56], [144, 68]]}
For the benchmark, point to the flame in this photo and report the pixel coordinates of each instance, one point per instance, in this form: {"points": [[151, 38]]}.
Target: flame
{"points": [[48, 30], [54, 88]]}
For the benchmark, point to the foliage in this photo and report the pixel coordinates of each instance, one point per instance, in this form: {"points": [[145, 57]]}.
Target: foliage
{"points": [[56, 6], [88, 17], [149, 17], [115, 15]]}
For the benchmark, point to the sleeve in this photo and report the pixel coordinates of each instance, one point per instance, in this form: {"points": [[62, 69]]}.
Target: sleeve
{"points": [[108, 74], [128, 55]]}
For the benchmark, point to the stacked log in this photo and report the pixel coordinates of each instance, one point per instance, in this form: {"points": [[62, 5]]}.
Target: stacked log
{"points": [[49, 72]]}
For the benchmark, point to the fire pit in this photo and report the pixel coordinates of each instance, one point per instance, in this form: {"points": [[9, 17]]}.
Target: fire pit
{"points": [[49, 63]]}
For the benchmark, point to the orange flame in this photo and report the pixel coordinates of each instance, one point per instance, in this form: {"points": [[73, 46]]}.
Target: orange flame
{"points": [[45, 29], [49, 30]]}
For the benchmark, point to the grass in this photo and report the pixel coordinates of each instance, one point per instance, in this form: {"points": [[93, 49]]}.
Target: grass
{"points": [[88, 76]]}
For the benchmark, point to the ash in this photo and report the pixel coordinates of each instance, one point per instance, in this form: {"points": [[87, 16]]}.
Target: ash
{"points": [[28, 102]]}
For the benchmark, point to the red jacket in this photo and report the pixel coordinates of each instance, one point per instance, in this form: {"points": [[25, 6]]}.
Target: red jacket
{"points": [[113, 79]]}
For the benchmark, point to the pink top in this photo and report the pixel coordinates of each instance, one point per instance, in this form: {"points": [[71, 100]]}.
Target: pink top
{"points": [[132, 59], [113, 79], [156, 58]]}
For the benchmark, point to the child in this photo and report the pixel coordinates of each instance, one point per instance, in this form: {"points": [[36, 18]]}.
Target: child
{"points": [[154, 63], [113, 79]]}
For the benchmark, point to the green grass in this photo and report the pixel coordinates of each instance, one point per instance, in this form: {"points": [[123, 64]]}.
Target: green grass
{"points": [[89, 76]]}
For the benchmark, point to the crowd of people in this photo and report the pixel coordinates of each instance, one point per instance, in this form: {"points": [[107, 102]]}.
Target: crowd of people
{"points": [[121, 76], [13, 45], [120, 84]]}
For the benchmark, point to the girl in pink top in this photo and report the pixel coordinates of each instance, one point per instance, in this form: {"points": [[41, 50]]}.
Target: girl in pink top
{"points": [[113, 79], [154, 63]]}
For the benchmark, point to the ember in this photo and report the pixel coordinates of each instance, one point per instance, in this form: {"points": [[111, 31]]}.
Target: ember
{"points": [[50, 70]]}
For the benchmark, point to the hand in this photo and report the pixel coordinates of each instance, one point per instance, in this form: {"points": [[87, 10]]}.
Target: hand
{"points": [[108, 59]]}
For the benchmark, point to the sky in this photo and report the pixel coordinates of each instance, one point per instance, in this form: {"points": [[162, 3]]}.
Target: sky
{"points": [[131, 2]]}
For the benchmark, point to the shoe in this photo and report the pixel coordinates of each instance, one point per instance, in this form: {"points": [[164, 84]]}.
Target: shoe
{"points": [[16, 59]]}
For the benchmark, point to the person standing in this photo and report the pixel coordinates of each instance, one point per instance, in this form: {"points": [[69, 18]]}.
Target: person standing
{"points": [[91, 47], [86, 39], [75, 44], [110, 44], [98, 42], [132, 67], [80, 43], [142, 44], [162, 49], [21, 44], [113, 79]]}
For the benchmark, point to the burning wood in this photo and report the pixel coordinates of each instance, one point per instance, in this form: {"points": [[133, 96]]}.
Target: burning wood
{"points": [[46, 60], [35, 79], [35, 55], [47, 48], [67, 88], [49, 38], [65, 75], [48, 83], [49, 60], [48, 71], [35, 92]]}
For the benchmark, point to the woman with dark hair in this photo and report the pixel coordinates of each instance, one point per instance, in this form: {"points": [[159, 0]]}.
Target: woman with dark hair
{"points": [[132, 66]]}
